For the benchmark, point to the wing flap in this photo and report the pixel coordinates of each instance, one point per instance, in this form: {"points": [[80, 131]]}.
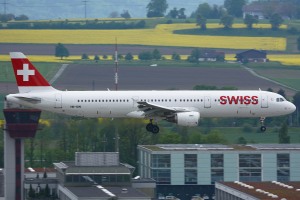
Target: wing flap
{"points": [[154, 110]]}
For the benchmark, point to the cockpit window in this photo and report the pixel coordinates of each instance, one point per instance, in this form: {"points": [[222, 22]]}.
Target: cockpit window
{"points": [[279, 99]]}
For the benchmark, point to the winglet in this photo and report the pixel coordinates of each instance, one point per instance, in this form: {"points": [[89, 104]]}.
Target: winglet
{"points": [[27, 76]]}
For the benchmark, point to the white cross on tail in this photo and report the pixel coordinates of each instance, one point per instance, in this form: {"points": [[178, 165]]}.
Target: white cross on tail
{"points": [[25, 72]]}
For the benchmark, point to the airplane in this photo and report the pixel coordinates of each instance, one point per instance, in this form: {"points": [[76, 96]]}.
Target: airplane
{"points": [[182, 107]]}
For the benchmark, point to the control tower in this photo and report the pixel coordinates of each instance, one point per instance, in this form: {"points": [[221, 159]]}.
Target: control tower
{"points": [[19, 125]]}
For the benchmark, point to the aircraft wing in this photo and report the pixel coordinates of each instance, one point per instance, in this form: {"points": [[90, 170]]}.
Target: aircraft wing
{"points": [[154, 110]]}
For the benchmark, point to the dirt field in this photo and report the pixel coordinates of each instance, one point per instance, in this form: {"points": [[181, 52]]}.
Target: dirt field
{"points": [[88, 77]]}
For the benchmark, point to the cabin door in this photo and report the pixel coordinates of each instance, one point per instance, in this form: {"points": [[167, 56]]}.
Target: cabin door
{"points": [[207, 102], [264, 101]]}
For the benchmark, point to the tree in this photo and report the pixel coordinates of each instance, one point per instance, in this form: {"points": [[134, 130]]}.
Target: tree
{"points": [[128, 56], [250, 20], [235, 7], [204, 10], [157, 8], [201, 21], [227, 21], [146, 55], [156, 54], [241, 140], [195, 55], [281, 92], [283, 134], [114, 14], [126, 14], [173, 13], [181, 14], [21, 18], [296, 101], [84, 56], [96, 58], [6, 17], [61, 51], [298, 43], [275, 21], [176, 56]]}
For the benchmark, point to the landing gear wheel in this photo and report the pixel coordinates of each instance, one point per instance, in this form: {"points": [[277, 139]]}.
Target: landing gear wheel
{"points": [[263, 128], [149, 127], [152, 128], [155, 129]]}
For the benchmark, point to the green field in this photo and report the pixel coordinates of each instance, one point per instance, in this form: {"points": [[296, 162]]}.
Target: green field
{"points": [[287, 75], [47, 69]]}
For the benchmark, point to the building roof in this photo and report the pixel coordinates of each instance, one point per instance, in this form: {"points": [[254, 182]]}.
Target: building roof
{"points": [[264, 190], [71, 168], [99, 191], [252, 51], [220, 147], [263, 7], [88, 192], [39, 170]]}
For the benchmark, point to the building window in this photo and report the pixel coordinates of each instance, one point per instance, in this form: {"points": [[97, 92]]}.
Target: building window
{"points": [[250, 167], [217, 167], [283, 167], [190, 171], [190, 160], [161, 161], [190, 176], [162, 176], [217, 175], [217, 160]]}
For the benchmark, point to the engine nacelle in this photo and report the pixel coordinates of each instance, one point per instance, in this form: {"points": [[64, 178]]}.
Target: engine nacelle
{"points": [[186, 118]]}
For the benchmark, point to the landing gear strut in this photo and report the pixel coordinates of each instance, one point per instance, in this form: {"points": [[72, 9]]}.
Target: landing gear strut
{"points": [[263, 128], [152, 127]]}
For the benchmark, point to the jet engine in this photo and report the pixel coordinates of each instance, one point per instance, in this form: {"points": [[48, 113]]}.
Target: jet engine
{"points": [[185, 118]]}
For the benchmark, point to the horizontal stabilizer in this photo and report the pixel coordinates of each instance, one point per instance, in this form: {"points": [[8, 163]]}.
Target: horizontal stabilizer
{"points": [[30, 99]]}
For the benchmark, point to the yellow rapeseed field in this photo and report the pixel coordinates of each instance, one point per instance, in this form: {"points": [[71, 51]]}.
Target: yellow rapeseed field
{"points": [[285, 59], [162, 35]]}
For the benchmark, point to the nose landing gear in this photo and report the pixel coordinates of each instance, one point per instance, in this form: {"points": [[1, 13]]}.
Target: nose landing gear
{"points": [[263, 128]]}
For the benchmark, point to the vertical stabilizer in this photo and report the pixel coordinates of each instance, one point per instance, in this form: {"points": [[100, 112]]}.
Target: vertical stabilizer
{"points": [[28, 77]]}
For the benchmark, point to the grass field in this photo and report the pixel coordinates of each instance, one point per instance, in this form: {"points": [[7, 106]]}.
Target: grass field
{"points": [[47, 69], [161, 35], [270, 136]]}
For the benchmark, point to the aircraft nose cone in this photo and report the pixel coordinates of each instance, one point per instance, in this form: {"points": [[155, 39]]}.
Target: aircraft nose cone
{"points": [[290, 108], [293, 107]]}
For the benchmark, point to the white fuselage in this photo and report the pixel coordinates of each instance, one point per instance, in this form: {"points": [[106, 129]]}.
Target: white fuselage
{"points": [[119, 104]]}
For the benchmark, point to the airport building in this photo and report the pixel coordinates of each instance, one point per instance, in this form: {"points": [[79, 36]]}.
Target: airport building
{"points": [[93, 175], [257, 190], [187, 170]]}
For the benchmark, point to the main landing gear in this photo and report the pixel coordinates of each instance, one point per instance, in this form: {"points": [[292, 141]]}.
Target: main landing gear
{"points": [[263, 128], [152, 127]]}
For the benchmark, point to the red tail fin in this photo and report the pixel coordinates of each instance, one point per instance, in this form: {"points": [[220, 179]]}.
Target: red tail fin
{"points": [[27, 76]]}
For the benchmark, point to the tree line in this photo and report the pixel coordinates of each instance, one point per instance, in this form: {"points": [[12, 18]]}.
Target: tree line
{"points": [[61, 51], [96, 24]]}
